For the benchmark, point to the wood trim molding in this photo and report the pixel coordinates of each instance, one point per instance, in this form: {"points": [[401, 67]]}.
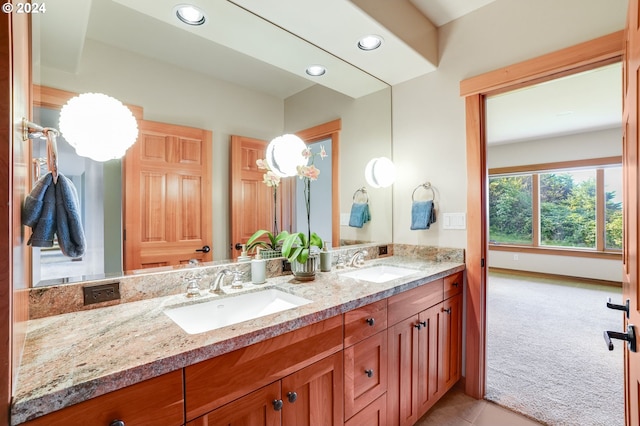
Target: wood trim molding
{"points": [[588, 55], [583, 56], [546, 275], [592, 162], [48, 97]]}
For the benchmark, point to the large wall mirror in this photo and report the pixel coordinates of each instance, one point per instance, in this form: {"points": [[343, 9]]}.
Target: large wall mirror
{"points": [[179, 76]]}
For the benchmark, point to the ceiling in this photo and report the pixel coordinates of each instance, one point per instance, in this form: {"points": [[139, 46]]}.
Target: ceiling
{"points": [[265, 45]]}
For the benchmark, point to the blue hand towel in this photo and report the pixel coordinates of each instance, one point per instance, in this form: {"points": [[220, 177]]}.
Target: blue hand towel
{"points": [[360, 215], [423, 214], [39, 212], [68, 222]]}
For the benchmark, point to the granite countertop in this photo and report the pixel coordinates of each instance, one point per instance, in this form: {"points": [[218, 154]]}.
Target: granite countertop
{"points": [[76, 356]]}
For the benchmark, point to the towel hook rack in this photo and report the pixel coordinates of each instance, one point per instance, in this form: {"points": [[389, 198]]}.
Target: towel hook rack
{"points": [[427, 186], [32, 130], [362, 191]]}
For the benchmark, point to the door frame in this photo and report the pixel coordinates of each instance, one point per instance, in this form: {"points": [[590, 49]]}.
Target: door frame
{"points": [[592, 54]]}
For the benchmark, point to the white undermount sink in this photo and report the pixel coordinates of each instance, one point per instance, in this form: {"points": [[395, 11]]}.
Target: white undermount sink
{"points": [[221, 312], [379, 273]]}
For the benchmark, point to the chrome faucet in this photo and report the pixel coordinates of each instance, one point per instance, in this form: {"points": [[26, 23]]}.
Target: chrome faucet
{"points": [[218, 282], [358, 257]]}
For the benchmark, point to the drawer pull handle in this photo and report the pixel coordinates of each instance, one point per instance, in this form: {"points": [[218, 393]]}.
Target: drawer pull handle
{"points": [[116, 423], [448, 311], [277, 404], [369, 373], [292, 396], [455, 284], [370, 321]]}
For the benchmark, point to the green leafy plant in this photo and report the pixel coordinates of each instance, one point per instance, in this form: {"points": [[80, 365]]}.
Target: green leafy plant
{"points": [[297, 246], [273, 241]]}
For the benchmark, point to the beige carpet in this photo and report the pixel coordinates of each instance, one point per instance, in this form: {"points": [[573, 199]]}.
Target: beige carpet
{"points": [[546, 357]]}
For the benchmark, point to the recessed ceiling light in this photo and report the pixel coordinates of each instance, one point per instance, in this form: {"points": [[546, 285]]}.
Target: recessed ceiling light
{"points": [[316, 70], [370, 42], [189, 14]]}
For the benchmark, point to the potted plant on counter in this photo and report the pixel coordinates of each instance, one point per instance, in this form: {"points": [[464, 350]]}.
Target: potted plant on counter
{"points": [[297, 247]]}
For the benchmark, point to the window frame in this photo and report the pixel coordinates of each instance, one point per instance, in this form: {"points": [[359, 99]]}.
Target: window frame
{"points": [[600, 251]]}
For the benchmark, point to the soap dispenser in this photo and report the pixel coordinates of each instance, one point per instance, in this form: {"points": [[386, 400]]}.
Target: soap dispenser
{"points": [[244, 257], [325, 259], [258, 268]]}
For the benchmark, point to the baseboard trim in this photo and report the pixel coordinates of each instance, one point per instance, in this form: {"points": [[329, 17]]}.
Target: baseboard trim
{"points": [[556, 276]]}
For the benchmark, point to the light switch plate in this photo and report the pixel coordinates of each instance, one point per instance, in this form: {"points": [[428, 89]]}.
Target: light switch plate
{"points": [[454, 221]]}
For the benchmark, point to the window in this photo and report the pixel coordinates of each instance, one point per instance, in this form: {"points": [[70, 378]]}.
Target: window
{"points": [[576, 206]]}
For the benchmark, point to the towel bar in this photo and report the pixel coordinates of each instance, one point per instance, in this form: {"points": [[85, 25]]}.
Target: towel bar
{"points": [[32, 130], [426, 185], [362, 191]]}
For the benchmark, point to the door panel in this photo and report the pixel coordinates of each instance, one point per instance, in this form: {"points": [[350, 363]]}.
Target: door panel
{"points": [[252, 201], [630, 191], [167, 196]]}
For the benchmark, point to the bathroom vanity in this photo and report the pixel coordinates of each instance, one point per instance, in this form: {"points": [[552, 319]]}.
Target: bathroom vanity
{"points": [[361, 352]]}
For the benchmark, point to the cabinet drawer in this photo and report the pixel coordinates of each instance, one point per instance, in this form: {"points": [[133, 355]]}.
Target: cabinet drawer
{"points": [[364, 322], [154, 401], [453, 285], [217, 381], [365, 373], [374, 414], [404, 305]]}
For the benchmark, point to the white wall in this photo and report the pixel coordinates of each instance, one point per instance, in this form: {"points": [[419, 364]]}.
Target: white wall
{"points": [[604, 143], [429, 114]]}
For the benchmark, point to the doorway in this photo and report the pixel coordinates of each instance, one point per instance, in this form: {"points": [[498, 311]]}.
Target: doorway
{"points": [[602, 51]]}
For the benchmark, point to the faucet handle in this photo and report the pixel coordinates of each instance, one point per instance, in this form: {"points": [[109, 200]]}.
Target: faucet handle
{"points": [[237, 279]]}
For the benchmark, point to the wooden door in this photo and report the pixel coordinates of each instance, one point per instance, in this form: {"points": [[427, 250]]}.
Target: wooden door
{"points": [[252, 204], [402, 390], [430, 358], [451, 342], [318, 394], [254, 409], [631, 162], [167, 205], [15, 255]]}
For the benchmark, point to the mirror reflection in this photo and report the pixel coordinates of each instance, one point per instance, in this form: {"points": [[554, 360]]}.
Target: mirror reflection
{"points": [[150, 64]]}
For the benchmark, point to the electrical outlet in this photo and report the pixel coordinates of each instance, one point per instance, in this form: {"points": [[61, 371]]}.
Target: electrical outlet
{"points": [[383, 250], [515, 257], [101, 293]]}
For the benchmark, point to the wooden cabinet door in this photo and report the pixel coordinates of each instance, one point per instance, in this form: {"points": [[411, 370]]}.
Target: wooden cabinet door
{"points": [[452, 341], [313, 395], [430, 354], [167, 207], [254, 409], [402, 393]]}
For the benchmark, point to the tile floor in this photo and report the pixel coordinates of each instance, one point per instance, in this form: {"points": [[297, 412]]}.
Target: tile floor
{"points": [[458, 409]]}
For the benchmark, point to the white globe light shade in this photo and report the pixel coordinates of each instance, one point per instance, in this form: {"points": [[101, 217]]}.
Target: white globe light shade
{"points": [[284, 155], [380, 172], [98, 126]]}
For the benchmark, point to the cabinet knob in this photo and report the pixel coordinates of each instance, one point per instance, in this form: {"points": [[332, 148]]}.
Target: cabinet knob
{"points": [[292, 396], [455, 284], [370, 321], [448, 311], [418, 326], [369, 373], [116, 423], [277, 404]]}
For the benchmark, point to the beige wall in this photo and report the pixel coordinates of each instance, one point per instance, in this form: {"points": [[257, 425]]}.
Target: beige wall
{"points": [[604, 143], [428, 112], [366, 133]]}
